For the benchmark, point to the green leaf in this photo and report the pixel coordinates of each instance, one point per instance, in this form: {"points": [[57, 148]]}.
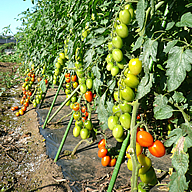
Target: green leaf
{"points": [[173, 137], [179, 61], [43, 86], [96, 84], [170, 45], [180, 162], [111, 84], [149, 50], [99, 41], [170, 25], [109, 107], [161, 109], [178, 97], [96, 72], [140, 12], [100, 30], [138, 43], [187, 143], [178, 183], [186, 127], [145, 85], [88, 56], [186, 20]]}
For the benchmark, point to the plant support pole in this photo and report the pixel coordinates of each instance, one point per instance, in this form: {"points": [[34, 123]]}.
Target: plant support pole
{"points": [[61, 82], [118, 164], [61, 106]]}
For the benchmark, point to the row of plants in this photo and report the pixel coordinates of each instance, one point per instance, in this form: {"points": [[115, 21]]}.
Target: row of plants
{"points": [[128, 61]]}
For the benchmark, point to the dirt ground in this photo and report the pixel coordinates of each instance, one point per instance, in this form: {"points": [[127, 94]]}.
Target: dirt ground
{"points": [[25, 165]]}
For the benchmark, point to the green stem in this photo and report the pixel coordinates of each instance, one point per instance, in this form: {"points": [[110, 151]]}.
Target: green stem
{"points": [[62, 105], [118, 163], [132, 148], [61, 82], [65, 116], [44, 96]]}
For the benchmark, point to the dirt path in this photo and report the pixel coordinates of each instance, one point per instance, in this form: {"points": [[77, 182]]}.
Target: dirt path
{"points": [[24, 163]]}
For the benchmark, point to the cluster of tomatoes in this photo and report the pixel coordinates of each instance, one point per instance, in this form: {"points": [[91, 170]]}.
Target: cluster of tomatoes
{"points": [[59, 67], [83, 126], [157, 149], [115, 59], [108, 156]]}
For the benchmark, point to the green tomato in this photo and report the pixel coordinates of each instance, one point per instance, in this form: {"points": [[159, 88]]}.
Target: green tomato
{"points": [[121, 139], [84, 133], [88, 125], [60, 60], [67, 91], [126, 108], [62, 55], [131, 80], [129, 7], [114, 70], [116, 96], [109, 58], [148, 176], [76, 115], [73, 99], [145, 163], [112, 121], [109, 66], [117, 55], [128, 94], [68, 85], [125, 16], [79, 123], [83, 88], [116, 110], [122, 30], [57, 71], [84, 33], [118, 131], [58, 65], [68, 103], [117, 42], [89, 83], [125, 120], [135, 66], [76, 131]]}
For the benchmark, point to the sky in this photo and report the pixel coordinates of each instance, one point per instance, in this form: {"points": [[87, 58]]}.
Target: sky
{"points": [[9, 9]]}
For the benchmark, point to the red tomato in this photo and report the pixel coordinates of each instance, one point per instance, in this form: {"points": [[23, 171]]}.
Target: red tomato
{"points": [[84, 118], [46, 81], [67, 75], [86, 114], [29, 93], [144, 138], [112, 162], [89, 96], [68, 79], [101, 143], [74, 78], [13, 108], [39, 79], [16, 107], [24, 108], [157, 149], [138, 116], [83, 109], [26, 104], [102, 152], [32, 79], [105, 160], [76, 106], [23, 88], [140, 129], [33, 75]]}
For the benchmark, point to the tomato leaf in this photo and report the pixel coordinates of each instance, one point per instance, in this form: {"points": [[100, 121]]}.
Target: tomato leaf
{"points": [[96, 84], [178, 63], [149, 50], [100, 30], [178, 97], [96, 72], [178, 183], [138, 43], [186, 20], [140, 12], [170, 25], [180, 162], [145, 85], [161, 109], [173, 137], [111, 85], [88, 56], [43, 86], [170, 45]]}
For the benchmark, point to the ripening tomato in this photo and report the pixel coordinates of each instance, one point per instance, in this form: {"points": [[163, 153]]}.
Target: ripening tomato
{"points": [[75, 85], [76, 106], [105, 160], [86, 114], [101, 143], [26, 104], [144, 138], [148, 176], [16, 107], [67, 75], [68, 79], [17, 114], [102, 152], [74, 78], [21, 112], [112, 162], [157, 149], [138, 116], [46, 81], [24, 108], [13, 108], [83, 109], [139, 150], [135, 66], [89, 96], [29, 93], [84, 118]]}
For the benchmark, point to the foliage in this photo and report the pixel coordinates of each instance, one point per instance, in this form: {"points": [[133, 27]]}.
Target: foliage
{"points": [[160, 35]]}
